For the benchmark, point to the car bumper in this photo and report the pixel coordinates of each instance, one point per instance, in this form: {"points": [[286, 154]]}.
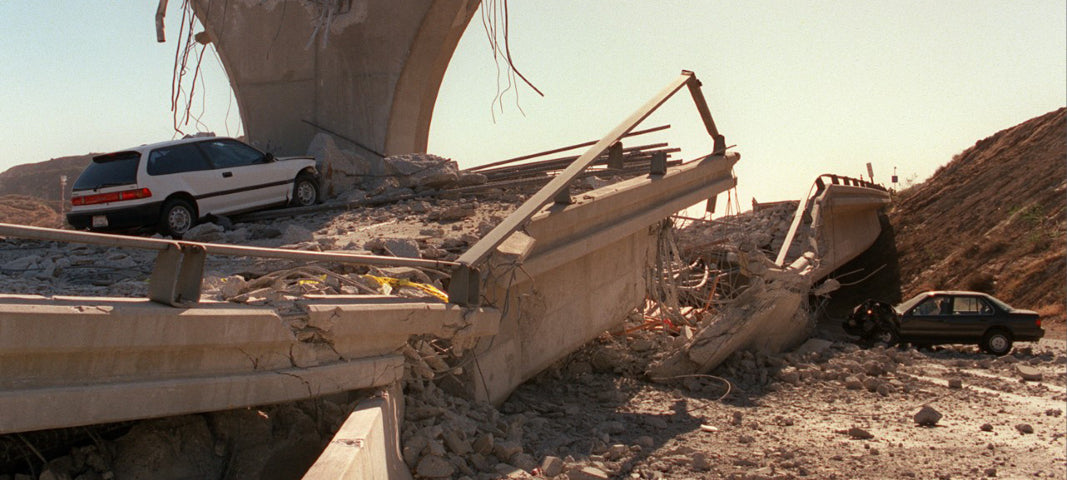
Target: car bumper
{"points": [[143, 215]]}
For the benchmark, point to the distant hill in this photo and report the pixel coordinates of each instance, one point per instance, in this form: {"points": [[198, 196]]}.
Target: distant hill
{"points": [[41, 179], [994, 219]]}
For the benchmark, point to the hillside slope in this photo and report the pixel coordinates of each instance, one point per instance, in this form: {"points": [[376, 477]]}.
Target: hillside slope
{"points": [[41, 179], [994, 219]]}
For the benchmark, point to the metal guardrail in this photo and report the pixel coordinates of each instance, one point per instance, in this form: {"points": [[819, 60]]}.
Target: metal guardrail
{"points": [[179, 269], [464, 288]]}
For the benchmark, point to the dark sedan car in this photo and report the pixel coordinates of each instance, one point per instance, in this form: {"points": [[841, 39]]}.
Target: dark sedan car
{"points": [[946, 317]]}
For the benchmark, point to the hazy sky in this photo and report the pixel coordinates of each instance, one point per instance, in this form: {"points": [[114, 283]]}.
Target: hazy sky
{"points": [[801, 87]]}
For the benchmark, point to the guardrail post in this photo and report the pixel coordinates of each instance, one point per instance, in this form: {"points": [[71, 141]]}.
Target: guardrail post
{"points": [[191, 275], [658, 165], [564, 196], [615, 156], [464, 287]]}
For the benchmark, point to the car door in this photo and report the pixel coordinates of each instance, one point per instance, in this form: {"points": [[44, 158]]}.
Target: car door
{"points": [[184, 168], [252, 180], [970, 316], [924, 321]]}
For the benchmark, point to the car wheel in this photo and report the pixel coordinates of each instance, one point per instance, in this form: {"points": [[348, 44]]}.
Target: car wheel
{"points": [[305, 191], [177, 217], [997, 342], [886, 336]]}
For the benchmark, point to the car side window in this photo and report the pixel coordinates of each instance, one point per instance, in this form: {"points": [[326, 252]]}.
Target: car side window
{"points": [[966, 306], [230, 154], [176, 159], [927, 307]]}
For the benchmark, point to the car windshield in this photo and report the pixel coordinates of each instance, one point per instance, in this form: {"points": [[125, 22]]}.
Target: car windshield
{"points": [[108, 171], [911, 302]]}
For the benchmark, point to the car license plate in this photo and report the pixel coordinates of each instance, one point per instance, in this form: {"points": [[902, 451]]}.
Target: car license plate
{"points": [[99, 221]]}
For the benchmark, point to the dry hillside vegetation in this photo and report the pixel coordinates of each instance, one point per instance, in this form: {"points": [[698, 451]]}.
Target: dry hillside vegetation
{"points": [[992, 220]]}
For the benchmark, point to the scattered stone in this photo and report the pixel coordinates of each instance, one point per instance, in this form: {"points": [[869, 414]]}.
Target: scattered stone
{"points": [[987, 427], [700, 462], [432, 466], [551, 466], [927, 416], [813, 345], [955, 383], [402, 247], [1024, 428], [859, 434], [588, 473], [484, 444], [1054, 412], [455, 442], [1028, 373], [991, 472], [506, 449]]}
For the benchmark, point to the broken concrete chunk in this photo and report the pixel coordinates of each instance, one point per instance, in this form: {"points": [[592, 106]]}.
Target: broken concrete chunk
{"points": [[588, 473], [551, 466], [402, 247]]}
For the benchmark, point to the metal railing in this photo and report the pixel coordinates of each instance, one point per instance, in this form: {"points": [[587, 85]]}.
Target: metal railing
{"points": [[178, 272], [464, 288]]}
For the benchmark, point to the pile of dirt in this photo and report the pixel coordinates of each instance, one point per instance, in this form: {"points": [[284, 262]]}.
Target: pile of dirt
{"points": [[992, 220]]}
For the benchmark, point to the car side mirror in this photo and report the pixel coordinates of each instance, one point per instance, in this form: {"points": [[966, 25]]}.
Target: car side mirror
{"points": [[268, 158]]}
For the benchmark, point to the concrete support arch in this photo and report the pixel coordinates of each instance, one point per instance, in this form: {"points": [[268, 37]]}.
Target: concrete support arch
{"points": [[366, 70]]}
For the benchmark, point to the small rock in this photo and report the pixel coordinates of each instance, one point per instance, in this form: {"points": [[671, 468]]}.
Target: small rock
{"points": [[588, 473], [991, 472], [986, 427], [484, 444], [506, 449], [700, 462], [1024, 428], [955, 383], [432, 466], [1029, 373], [859, 434], [789, 375], [551, 466], [456, 442], [927, 416], [524, 461], [1054, 412]]}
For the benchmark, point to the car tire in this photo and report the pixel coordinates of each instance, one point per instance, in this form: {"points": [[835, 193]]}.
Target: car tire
{"points": [[998, 342], [887, 337], [176, 217], [305, 191]]}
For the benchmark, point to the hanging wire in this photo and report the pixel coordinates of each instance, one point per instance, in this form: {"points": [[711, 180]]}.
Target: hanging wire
{"points": [[495, 22]]}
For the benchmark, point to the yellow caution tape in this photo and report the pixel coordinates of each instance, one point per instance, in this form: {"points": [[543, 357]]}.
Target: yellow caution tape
{"points": [[389, 283]]}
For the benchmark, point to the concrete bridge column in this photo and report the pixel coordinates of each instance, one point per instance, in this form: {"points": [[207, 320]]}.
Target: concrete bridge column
{"points": [[367, 70]]}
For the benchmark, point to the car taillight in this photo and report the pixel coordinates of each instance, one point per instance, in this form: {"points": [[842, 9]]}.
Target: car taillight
{"points": [[111, 197], [1039, 323]]}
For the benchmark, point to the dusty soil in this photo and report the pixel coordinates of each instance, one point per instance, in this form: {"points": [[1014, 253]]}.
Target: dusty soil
{"points": [[837, 412]]}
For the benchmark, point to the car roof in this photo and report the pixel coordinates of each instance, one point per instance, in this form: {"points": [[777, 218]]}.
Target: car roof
{"points": [[169, 143], [955, 292]]}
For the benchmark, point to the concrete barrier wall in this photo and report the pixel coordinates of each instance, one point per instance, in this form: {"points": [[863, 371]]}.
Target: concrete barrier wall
{"points": [[585, 273], [69, 361]]}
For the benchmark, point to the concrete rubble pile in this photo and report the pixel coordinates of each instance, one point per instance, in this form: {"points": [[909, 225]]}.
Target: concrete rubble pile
{"points": [[750, 303], [351, 177]]}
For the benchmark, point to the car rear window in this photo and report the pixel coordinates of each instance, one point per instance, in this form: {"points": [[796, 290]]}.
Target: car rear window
{"points": [[109, 170], [176, 159]]}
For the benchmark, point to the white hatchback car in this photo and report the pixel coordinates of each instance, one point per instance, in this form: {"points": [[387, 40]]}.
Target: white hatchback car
{"points": [[171, 185]]}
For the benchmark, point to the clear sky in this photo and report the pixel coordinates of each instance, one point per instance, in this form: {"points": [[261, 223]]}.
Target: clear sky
{"points": [[801, 87]]}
